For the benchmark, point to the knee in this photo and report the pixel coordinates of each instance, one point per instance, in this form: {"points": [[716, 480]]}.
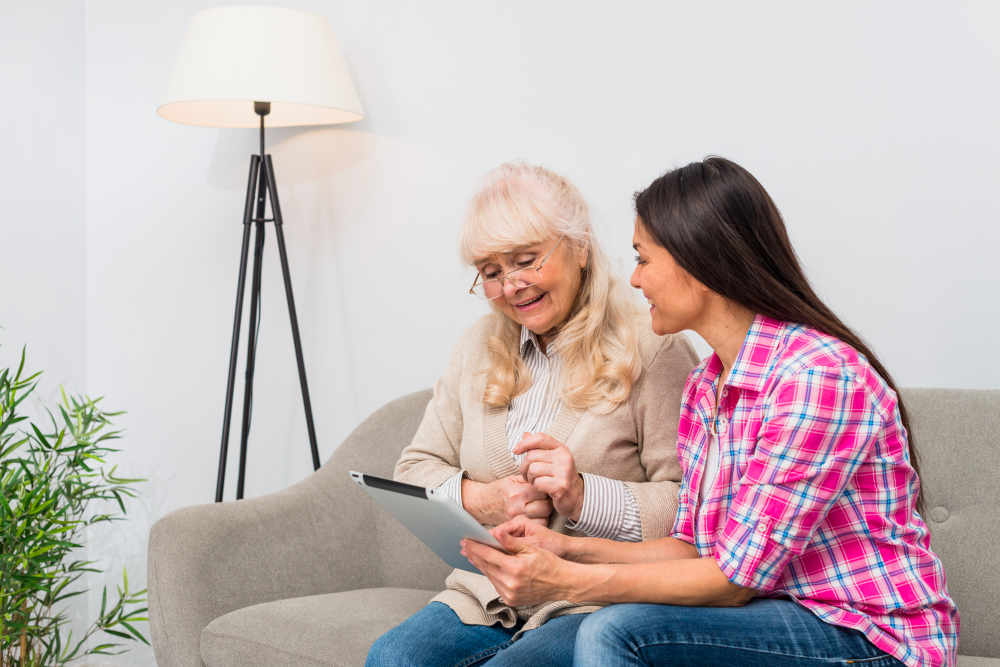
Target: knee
{"points": [[385, 652], [605, 633]]}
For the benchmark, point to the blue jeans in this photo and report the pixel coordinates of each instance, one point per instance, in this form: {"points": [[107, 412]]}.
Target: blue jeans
{"points": [[765, 632], [436, 637]]}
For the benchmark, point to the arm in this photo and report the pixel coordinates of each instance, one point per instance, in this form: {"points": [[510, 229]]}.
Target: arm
{"points": [[433, 458], [532, 575], [819, 426], [610, 506]]}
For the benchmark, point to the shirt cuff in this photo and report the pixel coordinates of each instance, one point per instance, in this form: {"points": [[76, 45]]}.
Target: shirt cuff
{"points": [[453, 486], [610, 510]]}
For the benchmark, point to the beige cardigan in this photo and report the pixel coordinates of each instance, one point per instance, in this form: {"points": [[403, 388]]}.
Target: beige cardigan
{"points": [[636, 443]]}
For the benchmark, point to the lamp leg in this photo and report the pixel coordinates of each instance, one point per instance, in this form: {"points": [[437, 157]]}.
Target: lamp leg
{"points": [[235, 347], [258, 253], [276, 210]]}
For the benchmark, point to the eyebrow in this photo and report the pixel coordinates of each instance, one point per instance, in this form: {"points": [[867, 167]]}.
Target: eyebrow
{"points": [[513, 251]]}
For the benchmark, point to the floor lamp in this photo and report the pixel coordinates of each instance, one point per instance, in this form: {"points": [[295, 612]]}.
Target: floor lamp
{"points": [[236, 67]]}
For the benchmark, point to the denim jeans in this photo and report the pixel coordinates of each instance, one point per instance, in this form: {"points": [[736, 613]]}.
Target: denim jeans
{"points": [[436, 637], [765, 632]]}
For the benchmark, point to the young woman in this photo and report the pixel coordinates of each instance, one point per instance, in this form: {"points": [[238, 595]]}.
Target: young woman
{"points": [[798, 540]]}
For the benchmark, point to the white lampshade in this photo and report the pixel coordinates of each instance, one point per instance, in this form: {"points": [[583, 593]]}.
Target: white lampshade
{"points": [[232, 57]]}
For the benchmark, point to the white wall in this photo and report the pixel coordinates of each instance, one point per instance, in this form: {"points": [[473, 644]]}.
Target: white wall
{"points": [[42, 190], [873, 127]]}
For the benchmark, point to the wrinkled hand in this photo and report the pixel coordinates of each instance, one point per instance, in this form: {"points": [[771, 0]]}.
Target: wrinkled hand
{"points": [[505, 499], [550, 468], [529, 575], [534, 535]]}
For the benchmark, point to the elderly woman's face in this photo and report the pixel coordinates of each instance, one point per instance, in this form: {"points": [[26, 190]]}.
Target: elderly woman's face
{"points": [[546, 305]]}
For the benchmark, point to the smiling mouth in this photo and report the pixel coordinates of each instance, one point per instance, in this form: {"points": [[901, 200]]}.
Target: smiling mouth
{"points": [[529, 301]]}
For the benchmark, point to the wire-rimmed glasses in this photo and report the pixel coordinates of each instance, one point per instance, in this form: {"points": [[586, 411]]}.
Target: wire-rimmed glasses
{"points": [[519, 278]]}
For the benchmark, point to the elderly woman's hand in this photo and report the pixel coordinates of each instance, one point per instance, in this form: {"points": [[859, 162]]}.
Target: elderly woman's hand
{"points": [[550, 468], [504, 499], [529, 575]]}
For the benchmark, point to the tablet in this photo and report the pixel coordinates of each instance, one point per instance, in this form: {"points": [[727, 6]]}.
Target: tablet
{"points": [[431, 515]]}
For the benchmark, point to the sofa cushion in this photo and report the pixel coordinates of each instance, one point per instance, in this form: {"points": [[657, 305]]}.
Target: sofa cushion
{"points": [[335, 629], [963, 661]]}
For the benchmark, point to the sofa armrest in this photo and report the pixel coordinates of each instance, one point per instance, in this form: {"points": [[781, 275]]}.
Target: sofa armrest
{"points": [[208, 560]]}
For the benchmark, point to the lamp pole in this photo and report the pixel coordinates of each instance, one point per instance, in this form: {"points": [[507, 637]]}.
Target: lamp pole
{"points": [[264, 184]]}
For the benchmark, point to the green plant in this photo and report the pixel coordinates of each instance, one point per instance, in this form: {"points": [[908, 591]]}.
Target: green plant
{"points": [[48, 481]]}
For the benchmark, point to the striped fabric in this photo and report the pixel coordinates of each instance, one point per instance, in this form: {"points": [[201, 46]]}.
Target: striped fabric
{"points": [[815, 495], [609, 509]]}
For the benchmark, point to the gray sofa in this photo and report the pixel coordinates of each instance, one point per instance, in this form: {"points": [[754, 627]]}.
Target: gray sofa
{"points": [[312, 575]]}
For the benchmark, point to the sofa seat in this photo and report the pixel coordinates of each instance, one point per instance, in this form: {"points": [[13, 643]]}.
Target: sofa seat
{"points": [[969, 661], [334, 630]]}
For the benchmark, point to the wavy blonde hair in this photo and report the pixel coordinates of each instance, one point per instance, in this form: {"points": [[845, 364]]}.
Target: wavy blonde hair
{"points": [[519, 204]]}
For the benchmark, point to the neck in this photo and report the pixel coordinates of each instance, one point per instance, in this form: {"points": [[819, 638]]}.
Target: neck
{"points": [[725, 327], [545, 338]]}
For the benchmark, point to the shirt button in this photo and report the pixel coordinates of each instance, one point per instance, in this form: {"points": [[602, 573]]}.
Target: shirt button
{"points": [[761, 528], [725, 391]]}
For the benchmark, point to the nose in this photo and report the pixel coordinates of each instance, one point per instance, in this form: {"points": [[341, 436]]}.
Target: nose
{"points": [[509, 288], [634, 279]]}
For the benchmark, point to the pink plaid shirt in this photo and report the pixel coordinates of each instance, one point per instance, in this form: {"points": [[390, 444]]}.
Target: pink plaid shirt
{"points": [[815, 494]]}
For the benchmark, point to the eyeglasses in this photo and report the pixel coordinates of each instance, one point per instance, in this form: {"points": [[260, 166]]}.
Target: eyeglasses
{"points": [[519, 278]]}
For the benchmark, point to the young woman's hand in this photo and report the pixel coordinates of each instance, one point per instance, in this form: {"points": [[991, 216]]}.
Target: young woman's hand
{"points": [[549, 466], [534, 535], [529, 575], [504, 499]]}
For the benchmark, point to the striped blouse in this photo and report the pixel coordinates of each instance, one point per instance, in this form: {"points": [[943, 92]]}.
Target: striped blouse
{"points": [[609, 509]]}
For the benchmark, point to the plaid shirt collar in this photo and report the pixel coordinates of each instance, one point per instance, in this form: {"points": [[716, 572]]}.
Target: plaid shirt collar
{"points": [[756, 356]]}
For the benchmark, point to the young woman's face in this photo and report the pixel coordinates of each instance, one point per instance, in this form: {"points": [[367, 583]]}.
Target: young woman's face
{"points": [[546, 305], [676, 299]]}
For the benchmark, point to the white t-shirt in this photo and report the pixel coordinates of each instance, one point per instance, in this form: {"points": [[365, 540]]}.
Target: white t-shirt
{"points": [[711, 468]]}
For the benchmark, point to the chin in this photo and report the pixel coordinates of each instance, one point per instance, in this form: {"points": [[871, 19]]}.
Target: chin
{"points": [[660, 328]]}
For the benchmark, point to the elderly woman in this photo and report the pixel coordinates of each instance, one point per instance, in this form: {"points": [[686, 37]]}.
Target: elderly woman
{"points": [[560, 406]]}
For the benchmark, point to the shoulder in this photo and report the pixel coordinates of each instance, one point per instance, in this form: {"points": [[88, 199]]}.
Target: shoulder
{"points": [[801, 348], [804, 352], [667, 362], [672, 349], [471, 345], [475, 337]]}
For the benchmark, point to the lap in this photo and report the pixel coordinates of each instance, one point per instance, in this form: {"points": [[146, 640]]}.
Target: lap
{"points": [[550, 645], [765, 631], [436, 637]]}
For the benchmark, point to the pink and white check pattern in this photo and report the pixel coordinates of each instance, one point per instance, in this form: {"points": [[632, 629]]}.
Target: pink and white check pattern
{"points": [[815, 496]]}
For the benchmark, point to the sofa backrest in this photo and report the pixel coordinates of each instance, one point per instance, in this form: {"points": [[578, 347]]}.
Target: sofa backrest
{"points": [[373, 448], [957, 435]]}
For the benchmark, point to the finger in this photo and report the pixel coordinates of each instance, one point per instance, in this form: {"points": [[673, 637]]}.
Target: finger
{"points": [[536, 456], [533, 471], [536, 441], [554, 487], [514, 545], [483, 557], [539, 509], [513, 527]]}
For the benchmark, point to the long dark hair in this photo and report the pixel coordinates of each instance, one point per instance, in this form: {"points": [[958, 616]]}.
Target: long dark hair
{"points": [[720, 225]]}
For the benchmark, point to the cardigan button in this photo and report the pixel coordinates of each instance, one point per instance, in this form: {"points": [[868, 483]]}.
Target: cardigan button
{"points": [[940, 514]]}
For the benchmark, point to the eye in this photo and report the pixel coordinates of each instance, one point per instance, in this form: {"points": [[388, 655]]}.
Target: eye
{"points": [[524, 260], [639, 260]]}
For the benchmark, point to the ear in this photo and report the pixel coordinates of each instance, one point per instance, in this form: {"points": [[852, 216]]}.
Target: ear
{"points": [[584, 251]]}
